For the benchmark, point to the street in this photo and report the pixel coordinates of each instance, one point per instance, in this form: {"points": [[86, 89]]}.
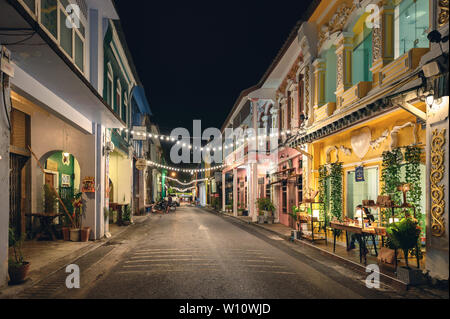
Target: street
{"points": [[192, 253]]}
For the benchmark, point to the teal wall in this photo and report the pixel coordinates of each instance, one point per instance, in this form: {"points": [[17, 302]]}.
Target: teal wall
{"points": [[64, 169]]}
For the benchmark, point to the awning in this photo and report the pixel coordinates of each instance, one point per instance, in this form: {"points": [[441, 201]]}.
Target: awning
{"points": [[139, 97]]}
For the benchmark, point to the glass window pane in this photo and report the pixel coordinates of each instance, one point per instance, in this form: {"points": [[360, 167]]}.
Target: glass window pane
{"points": [[66, 35], [31, 4], [49, 16], [359, 191], [362, 61], [412, 19], [79, 52]]}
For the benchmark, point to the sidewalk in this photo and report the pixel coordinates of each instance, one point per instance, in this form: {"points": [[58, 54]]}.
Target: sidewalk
{"points": [[47, 257], [349, 258]]}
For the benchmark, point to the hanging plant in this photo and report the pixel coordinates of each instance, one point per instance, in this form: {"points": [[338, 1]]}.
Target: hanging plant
{"points": [[323, 191], [390, 174], [336, 190], [413, 178]]}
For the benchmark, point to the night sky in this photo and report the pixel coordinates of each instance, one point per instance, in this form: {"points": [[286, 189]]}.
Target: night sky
{"points": [[195, 57]]}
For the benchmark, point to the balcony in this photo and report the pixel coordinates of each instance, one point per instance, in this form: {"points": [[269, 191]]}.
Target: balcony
{"points": [[402, 65], [355, 93], [324, 111]]}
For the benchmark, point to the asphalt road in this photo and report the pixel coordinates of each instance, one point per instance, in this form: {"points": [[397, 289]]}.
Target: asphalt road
{"points": [[196, 254]]}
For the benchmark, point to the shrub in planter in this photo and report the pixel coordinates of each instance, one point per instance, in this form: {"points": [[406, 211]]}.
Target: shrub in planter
{"points": [[17, 266], [265, 207], [404, 235]]}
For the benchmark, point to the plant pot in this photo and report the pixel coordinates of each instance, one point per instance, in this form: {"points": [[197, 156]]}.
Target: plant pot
{"points": [[266, 213], [17, 274], [270, 220], [75, 235], [261, 219], [66, 233], [410, 276], [85, 233]]}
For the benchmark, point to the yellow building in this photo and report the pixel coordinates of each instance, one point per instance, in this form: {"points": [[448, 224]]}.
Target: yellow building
{"points": [[370, 84]]}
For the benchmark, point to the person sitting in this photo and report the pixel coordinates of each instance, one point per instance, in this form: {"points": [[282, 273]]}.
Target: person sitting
{"points": [[361, 214]]}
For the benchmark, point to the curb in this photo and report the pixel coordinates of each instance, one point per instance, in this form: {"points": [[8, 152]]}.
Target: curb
{"points": [[39, 275], [390, 281]]}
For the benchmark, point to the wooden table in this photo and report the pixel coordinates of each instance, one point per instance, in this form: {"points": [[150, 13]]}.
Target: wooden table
{"points": [[45, 225], [362, 232]]}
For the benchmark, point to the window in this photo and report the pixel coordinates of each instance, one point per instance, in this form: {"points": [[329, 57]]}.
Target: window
{"points": [[65, 34], [411, 25], [31, 4], [359, 191], [330, 75], [362, 58], [109, 86], [300, 189], [79, 52], [53, 18], [118, 100], [284, 198], [124, 107], [49, 16]]}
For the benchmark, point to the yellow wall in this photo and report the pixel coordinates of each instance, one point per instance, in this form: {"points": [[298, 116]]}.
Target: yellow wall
{"points": [[120, 173], [373, 157]]}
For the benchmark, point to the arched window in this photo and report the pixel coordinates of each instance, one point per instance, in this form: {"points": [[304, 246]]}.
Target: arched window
{"points": [[118, 102], [109, 85]]}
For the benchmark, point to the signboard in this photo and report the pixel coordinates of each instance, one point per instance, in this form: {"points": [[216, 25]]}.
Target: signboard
{"points": [[141, 164], [140, 133], [359, 174], [88, 185]]}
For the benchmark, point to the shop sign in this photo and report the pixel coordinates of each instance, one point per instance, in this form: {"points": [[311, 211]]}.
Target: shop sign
{"points": [[141, 164], [359, 174], [88, 185], [140, 133]]}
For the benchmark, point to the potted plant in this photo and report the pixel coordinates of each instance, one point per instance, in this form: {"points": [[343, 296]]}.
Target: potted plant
{"points": [[265, 208], [77, 204], [50, 200], [126, 217], [404, 235], [17, 266]]}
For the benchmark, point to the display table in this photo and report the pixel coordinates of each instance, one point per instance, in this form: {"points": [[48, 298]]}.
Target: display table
{"points": [[314, 222], [363, 234]]}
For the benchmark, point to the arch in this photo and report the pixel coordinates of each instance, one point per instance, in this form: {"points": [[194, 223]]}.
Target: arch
{"points": [[63, 172]]}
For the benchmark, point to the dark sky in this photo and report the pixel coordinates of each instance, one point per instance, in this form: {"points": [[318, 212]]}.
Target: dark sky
{"points": [[195, 57]]}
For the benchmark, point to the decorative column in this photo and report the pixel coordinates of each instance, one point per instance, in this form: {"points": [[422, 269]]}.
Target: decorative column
{"points": [[253, 191], [224, 185], [344, 45], [382, 40], [319, 83], [294, 116], [235, 194], [274, 113], [438, 186]]}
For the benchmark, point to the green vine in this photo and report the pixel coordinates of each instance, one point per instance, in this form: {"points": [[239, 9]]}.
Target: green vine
{"points": [[323, 190], [413, 178], [336, 190], [390, 174]]}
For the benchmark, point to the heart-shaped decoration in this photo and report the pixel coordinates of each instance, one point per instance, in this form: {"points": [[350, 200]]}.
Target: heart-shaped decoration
{"points": [[361, 141]]}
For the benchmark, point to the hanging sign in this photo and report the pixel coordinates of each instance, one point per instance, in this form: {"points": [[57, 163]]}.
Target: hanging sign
{"points": [[359, 174], [141, 164], [88, 185], [140, 133]]}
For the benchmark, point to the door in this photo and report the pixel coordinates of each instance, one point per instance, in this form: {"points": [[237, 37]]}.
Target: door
{"points": [[17, 162], [49, 180]]}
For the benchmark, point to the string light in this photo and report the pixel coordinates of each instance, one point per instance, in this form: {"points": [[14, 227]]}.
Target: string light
{"points": [[188, 183], [237, 143], [185, 170]]}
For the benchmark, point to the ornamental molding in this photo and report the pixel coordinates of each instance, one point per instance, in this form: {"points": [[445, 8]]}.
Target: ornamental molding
{"points": [[436, 176], [336, 23], [443, 12]]}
